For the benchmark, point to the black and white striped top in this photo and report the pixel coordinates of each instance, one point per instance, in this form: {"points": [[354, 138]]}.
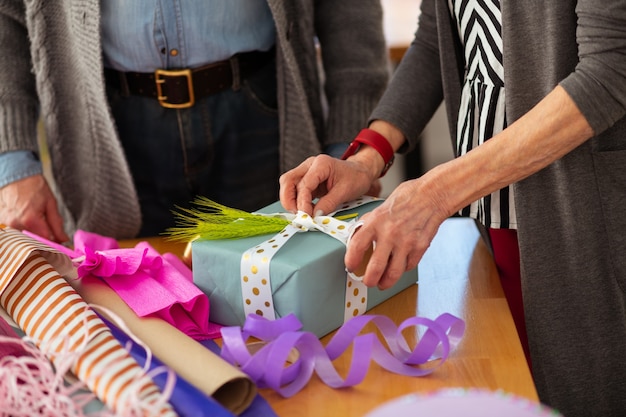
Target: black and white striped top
{"points": [[482, 112]]}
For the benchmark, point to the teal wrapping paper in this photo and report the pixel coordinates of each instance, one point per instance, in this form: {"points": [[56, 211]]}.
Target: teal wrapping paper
{"points": [[307, 276]]}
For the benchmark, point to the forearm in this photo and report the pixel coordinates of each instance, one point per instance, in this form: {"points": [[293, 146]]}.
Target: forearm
{"points": [[554, 127]]}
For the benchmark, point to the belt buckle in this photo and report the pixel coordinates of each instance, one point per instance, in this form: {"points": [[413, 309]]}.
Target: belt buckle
{"points": [[173, 73]]}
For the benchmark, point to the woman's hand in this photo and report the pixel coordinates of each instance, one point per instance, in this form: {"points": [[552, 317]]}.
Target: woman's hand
{"points": [[332, 180], [335, 181], [29, 204], [401, 229]]}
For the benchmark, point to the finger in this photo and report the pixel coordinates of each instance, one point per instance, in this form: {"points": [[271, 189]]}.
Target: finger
{"points": [[377, 265], [289, 185], [405, 257], [358, 272], [327, 203], [304, 198], [413, 259], [298, 191], [38, 225], [395, 268], [358, 249], [55, 223], [357, 246], [312, 181], [287, 193]]}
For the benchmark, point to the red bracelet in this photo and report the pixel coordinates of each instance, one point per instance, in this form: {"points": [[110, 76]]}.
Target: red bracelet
{"points": [[375, 140]]}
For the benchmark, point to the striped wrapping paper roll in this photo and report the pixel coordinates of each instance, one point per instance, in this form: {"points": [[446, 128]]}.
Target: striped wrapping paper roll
{"points": [[50, 311]]}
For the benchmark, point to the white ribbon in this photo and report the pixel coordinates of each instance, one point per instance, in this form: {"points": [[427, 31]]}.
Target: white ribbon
{"points": [[255, 262]]}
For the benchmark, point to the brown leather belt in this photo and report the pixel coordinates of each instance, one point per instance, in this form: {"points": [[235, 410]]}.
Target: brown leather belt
{"points": [[180, 88]]}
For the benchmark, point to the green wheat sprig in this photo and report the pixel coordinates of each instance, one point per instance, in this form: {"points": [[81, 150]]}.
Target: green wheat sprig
{"points": [[210, 220]]}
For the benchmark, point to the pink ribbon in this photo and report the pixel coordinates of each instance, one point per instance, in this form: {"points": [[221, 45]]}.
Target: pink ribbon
{"points": [[153, 285], [282, 336]]}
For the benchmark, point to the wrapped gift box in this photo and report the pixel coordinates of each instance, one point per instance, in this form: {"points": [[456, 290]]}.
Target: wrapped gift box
{"points": [[307, 276]]}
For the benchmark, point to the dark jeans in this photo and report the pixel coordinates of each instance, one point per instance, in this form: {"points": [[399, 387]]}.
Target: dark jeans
{"points": [[225, 147]]}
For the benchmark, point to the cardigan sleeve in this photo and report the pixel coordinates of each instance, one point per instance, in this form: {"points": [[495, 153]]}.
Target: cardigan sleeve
{"points": [[18, 98], [355, 63], [598, 84]]}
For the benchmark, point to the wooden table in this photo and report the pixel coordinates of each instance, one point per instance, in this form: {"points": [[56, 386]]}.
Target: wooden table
{"points": [[457, 275]]}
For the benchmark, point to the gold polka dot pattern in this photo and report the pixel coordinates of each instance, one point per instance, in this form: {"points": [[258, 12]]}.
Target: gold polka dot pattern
{"points": [[255, 262]]}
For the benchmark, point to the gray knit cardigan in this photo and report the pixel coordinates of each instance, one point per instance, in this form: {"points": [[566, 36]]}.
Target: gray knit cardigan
{"points": [[571, 215], [51, 67]]}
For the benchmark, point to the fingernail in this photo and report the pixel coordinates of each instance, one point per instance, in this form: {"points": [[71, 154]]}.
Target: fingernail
{"points": [[319, 213], [354, 276]]}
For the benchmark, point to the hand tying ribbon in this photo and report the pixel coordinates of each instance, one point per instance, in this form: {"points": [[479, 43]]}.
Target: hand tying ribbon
{"points": [[255, 262], [280, 338], [220, 222]]}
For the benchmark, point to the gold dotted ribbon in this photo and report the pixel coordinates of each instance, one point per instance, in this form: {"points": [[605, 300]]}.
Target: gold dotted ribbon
{"points": [[255, 262]]}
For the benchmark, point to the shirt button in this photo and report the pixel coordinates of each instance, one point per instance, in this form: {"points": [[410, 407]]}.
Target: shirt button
{"points": [[174, 52]]}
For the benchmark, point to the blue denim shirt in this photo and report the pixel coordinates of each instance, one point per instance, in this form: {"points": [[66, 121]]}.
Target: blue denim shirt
{"points": [[18, 165], [144, 35]]}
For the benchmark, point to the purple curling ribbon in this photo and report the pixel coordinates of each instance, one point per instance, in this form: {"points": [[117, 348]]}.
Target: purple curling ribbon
{"points": [[282, 337]]}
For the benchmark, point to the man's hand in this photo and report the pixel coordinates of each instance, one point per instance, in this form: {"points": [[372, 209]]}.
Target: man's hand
{"points": [[29, 204]]}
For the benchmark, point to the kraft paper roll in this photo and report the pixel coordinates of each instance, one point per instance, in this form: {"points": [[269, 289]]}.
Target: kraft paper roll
{"points": [[188, 358]]}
